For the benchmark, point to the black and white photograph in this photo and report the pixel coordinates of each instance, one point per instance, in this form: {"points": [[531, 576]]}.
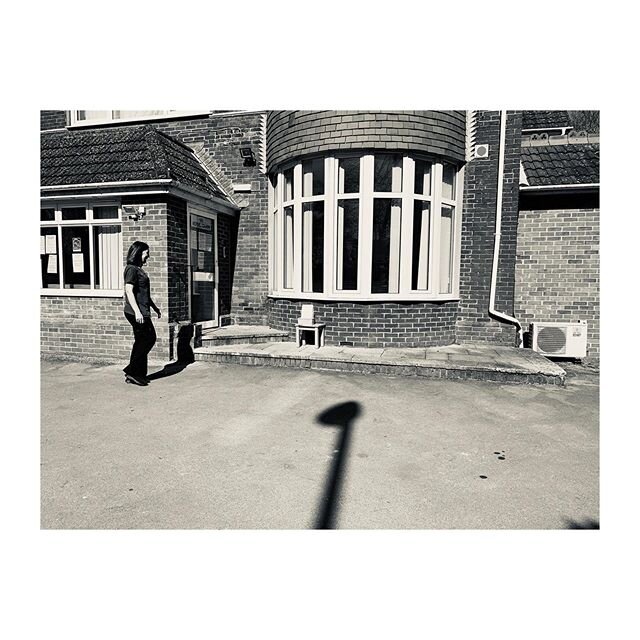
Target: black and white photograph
{"points": [[328, 337], [330, 319]]}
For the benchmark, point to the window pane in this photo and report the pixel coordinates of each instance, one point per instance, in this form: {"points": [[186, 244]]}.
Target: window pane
{"points": [[74, 213], [313, 247], [107, 268], [420, 246], [349, 175], [47, 215], [288, 185], [313, 177], [49, 260], [423, 178], [273, 183], [105, 213], [288, 248], [385, 250], [448, 181], [388, 173], [75, 257], [93, 115], [446, 248], [347, 234]]}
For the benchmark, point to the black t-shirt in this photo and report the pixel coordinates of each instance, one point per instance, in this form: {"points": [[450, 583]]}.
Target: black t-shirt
{"points": [[141, 290]]}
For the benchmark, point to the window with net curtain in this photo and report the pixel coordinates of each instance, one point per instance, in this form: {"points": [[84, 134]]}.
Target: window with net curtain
{"points": [[81, 247], [366, 226]]}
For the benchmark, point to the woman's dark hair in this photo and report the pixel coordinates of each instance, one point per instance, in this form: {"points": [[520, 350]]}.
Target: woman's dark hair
{"points": [[134, 255]]}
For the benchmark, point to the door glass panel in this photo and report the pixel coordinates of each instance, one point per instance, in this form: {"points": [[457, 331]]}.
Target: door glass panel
{"points": [[202, 269]]}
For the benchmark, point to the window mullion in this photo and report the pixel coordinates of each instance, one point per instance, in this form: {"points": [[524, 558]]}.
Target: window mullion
{"points": [[297, 229], [406, 224], [330, 209], [59, 256], [366, 225], [434, 232]]}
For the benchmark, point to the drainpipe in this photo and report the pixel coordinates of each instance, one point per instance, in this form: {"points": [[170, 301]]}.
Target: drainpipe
{"points": [[496, 245]]}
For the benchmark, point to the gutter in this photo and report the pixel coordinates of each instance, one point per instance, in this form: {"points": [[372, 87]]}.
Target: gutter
{"points": [[558, 187], [496, 244]]}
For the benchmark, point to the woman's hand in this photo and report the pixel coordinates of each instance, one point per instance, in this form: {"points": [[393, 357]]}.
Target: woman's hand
{"points": [[139, 317]]}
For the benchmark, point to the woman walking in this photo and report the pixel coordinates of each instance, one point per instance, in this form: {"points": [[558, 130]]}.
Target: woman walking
{"points": [[137, 310]]}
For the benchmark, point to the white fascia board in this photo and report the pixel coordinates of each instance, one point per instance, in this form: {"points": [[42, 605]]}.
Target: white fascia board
{"points": [[556, 187]]}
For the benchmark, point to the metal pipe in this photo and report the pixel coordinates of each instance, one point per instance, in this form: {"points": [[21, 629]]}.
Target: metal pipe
{"points": [[496, 244]]}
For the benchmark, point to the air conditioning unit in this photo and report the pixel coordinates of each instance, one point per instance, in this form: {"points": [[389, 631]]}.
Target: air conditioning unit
{"points": [[559, 339]]}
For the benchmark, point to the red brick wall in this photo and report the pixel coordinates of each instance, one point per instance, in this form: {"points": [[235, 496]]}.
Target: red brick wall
{"points": [[373, 324], [478, 228], [557, 273], [293, 134]]}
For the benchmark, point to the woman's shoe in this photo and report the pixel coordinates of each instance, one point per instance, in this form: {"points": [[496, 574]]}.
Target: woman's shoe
{"points": [[128, 378]]}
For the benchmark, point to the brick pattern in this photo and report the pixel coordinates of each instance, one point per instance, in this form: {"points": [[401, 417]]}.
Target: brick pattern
{"points": [[387, 324], [478, 227], [557, 271], [177, 254], [220, 137], [53, 120], [293, 134]]}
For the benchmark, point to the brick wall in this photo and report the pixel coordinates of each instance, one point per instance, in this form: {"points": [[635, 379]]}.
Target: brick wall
{"points": [[296, 133], [221, 138], [53, 120], [478, 228], [95, 328], [557, 272], [387, 324]]}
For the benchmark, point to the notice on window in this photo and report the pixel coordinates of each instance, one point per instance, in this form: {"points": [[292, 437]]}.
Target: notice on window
{"points": [[43, 246], [204, 241], [77, 262], [52, 264], [51, 244], [77, 245], [201, 260]]}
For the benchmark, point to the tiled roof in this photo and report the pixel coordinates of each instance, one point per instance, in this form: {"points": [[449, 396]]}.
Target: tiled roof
{"points": [[545, 119], [560, 164], [120, 154]]}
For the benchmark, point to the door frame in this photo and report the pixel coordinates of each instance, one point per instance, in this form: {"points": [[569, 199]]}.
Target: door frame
{"points": [[193, 209]]}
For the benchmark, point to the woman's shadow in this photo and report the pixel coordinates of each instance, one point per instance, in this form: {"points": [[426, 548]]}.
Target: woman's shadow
{"points": [[184, 355]]}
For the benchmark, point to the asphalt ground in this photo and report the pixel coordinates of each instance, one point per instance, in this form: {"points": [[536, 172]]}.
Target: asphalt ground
{"points": [[237, 447]]}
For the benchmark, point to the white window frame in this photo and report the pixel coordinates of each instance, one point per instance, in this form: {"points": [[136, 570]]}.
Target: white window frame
{"points": [[365, 197], [90, 222], [75, 122]]}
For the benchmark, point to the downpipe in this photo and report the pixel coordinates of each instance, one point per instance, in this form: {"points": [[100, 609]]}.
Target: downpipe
{"points": [[496, 243]]}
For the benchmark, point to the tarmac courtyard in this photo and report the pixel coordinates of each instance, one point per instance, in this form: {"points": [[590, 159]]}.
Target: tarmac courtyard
{"points": [[223, 446]]}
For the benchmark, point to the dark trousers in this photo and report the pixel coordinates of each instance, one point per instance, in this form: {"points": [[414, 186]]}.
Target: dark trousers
{"points": [[144, 338]]}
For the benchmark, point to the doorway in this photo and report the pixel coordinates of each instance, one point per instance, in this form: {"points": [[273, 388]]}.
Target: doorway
{"points": [[203, 267]]}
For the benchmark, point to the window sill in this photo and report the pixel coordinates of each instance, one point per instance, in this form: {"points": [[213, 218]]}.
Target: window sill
{"points": [[84, 293], [357, 298]]}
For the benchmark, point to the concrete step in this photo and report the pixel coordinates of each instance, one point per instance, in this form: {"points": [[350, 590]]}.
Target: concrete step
{"points": [[457, 362], [241, 334]]}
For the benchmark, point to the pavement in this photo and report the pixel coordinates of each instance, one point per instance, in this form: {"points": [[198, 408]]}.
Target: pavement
{"points": [[223, 446]]}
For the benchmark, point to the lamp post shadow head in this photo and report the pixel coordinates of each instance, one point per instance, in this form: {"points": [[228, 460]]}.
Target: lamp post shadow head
{"points": [[340, 414]]}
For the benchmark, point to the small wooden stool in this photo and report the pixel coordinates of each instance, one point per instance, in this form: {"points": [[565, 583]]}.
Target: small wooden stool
{"points": [[318, 333]]}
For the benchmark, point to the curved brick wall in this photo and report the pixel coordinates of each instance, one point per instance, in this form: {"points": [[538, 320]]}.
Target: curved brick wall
{"points": [[373, 324], [291, 134]]}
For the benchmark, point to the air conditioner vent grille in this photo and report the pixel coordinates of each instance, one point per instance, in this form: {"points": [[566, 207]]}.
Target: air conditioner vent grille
{"points": [[552, 339]]}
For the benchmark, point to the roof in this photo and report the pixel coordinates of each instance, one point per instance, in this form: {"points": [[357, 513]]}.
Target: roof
{"points": [[120, 154], [561, 164], [545, 119]]}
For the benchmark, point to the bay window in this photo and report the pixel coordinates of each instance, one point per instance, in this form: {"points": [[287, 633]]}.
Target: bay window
{"points": [[381, 226], [81, 249]]}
